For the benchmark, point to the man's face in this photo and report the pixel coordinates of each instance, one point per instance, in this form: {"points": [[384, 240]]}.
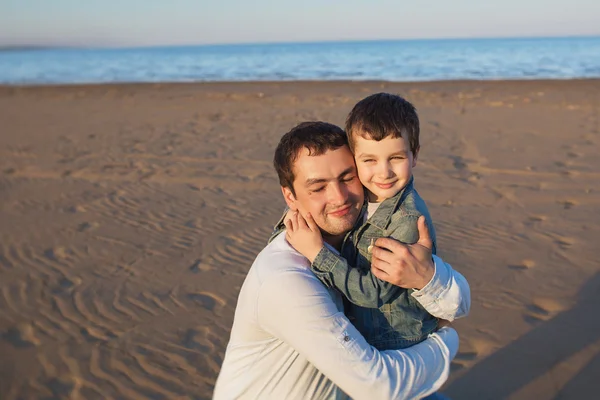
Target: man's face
{"points": [[328, 188]]}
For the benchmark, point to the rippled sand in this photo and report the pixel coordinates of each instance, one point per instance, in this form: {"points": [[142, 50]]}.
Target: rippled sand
{"points": [[131, 213]]}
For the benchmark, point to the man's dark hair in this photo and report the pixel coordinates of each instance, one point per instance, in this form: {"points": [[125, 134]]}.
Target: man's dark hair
{"points": [[381, 115], [318, 137]]}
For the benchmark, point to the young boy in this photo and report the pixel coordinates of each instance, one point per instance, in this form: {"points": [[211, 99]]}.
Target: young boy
{"points": [[383, 134]]}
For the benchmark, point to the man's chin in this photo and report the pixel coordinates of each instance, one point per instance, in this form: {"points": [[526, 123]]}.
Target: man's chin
{"points": [[340, 227]]}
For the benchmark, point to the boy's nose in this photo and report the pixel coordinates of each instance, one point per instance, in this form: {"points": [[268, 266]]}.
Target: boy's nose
{"points": [[385, 171]]}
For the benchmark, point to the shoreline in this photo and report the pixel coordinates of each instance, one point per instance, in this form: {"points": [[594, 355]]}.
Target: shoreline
{"points": [[299, 82]]}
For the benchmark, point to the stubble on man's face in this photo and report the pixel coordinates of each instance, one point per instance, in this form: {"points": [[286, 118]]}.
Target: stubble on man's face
{"points": [[327, 186]]}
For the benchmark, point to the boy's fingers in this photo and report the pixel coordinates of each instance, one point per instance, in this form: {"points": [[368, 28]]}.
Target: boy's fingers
{"points": [[311, 223], [288, 225], [302, 222], [294, 220], [288, 215]]}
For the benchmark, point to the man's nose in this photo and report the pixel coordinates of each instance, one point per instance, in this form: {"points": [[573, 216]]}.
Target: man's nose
{"points": [[338, 194]]}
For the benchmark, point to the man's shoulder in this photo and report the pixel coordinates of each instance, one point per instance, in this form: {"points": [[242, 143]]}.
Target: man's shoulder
{"points": [[278, 257]]}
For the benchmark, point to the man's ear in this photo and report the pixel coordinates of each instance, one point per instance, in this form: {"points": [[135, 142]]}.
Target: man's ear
{"points": [[415, 156], [289, 198]]}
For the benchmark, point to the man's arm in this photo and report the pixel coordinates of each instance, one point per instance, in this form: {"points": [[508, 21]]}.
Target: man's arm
{"points": [[447, 295], [295, 307], [442, 291]]}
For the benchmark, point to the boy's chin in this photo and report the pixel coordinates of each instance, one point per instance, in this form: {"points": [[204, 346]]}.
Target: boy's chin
{"points": [[377, 195]]}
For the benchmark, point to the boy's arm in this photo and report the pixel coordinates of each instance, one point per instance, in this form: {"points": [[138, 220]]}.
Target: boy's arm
{"points": [[360, 287]]}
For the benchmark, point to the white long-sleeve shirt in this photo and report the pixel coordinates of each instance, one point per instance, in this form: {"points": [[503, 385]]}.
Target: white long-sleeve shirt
{"points": [[447, 295], [291, 340]]}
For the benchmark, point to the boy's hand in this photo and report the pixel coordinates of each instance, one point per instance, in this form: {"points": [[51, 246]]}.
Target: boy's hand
{"points": [[304, 235], [288, 215], [408, 266]]}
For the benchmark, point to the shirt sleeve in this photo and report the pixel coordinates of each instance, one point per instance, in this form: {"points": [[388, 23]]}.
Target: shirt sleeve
{"points": [[360, 287], [447, 295], [296, 308]]}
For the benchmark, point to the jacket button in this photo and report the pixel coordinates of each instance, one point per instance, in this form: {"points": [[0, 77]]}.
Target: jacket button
{"points": [[346, 338]]}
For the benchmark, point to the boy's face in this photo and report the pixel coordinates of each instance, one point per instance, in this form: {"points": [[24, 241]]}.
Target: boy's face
{"points": [[384, 167], [327, 186]]}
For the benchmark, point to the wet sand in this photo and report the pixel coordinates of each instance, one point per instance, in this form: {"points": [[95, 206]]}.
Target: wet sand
{"points": [[131, 213]]}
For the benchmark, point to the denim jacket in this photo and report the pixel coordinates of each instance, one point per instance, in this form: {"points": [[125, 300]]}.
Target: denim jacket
{"points": [[385, 314]]}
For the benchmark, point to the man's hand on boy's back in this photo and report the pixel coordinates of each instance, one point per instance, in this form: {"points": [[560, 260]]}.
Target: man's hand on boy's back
{"points": [[408, 266]]}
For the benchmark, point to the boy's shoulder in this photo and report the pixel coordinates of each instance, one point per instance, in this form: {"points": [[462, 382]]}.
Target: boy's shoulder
{"points": [[412, 204], [406, 204], [402, 225]]}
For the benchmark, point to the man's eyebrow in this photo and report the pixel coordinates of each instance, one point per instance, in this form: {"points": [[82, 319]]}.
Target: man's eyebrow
{"points": [[313, 181], [349, 170]]}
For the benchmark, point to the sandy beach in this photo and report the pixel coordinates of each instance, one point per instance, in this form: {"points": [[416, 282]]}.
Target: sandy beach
{"points": [[130, 215]]}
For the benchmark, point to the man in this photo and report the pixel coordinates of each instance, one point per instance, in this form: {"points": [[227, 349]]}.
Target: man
{"points": [[290, 338]]}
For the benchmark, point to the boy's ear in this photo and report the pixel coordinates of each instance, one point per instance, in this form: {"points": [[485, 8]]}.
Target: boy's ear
{"points": [[289, 198], [415, 156]]}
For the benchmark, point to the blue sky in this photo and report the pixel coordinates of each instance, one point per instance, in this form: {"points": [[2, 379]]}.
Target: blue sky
{"points": [[162, 22]]}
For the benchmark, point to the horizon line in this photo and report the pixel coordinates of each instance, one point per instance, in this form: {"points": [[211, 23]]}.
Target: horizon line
{"points": [[18, 47]]}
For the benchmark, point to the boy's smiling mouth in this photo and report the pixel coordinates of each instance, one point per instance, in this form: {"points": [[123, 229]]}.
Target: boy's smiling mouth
{"points": [[384, 185]]}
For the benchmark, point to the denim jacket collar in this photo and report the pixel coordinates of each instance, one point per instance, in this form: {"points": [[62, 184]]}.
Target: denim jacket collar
{"points": [[381, 218]]}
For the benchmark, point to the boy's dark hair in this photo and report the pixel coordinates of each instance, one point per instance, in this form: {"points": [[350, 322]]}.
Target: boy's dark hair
{"points": [[381, 115], [318, 137]]}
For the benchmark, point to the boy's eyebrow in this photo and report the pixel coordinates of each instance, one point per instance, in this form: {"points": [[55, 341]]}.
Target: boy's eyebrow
{"points": [[398, 153], [314, 181], [365, 155]]}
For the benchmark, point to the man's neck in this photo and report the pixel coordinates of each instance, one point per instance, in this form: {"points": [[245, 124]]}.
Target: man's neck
{"points": [[334, 241]]}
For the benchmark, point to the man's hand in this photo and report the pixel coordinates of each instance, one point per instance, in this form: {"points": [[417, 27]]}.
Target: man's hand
{"points": [[408, 266], [304, 235], [442, 323]]}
